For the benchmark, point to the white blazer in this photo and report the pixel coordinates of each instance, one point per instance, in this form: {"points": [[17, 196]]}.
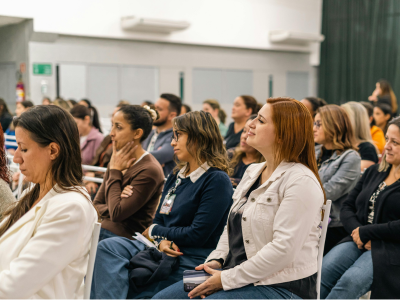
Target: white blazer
{"points": [[45, 253], [280, 226]]}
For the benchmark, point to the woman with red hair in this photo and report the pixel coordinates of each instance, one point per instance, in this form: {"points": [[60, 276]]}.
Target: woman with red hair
{"points": [[6, 196], [269, 247]]}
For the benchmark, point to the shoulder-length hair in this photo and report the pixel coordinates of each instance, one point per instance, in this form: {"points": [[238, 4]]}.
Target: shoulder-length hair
{"points": [[238, 154], [337, 128], [294, 138], [386, 89], [384, 165], [204, 140], [4, 171], [50, 124]]}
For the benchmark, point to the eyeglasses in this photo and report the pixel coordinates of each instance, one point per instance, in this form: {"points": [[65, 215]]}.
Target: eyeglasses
{"points": [[176, 135], [318, 124]]}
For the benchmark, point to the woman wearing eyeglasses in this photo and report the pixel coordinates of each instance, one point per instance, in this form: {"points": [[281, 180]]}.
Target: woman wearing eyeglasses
{"points": [[190, 218], [339, 165]]}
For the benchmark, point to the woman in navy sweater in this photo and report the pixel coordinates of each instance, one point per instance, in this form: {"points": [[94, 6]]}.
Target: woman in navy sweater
{"points": [[191, 215]]}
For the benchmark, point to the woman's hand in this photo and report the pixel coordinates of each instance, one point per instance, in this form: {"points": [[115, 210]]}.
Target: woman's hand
{"points": [[146, 234], [165, 247], [124, 158], [373, 98], [91, 187], [90, 174], [356, 238], [210, 286], [367, 246], [127, 192], [211, 264]]}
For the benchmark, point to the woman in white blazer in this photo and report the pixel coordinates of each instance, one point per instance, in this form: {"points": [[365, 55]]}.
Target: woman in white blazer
{"points": [[270, 245], [45, 237]]}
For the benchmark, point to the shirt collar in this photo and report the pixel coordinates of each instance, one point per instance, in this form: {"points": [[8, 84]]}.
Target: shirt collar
{"points": [[195, 174]]}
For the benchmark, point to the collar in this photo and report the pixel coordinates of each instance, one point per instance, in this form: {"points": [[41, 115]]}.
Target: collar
{"points": [[195, 174], [164, 131]]}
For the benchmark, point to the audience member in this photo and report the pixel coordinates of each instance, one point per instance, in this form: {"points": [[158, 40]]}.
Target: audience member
{"points": [[6, 196], [351, 269], [359, 122], [123, 102], [60, 102], [377, 134], [21, 107], [129, 194], [158, 142], [190, 218], [45, 237], [185, 109], [46, 101], [383, 94], [313, 103], [72, 103], [243, 156], [147, 102], [212, 106], [270, 245], [243, 108], [382, 116], [94, 115], [339, 164], [90, 137], [5, 115]]}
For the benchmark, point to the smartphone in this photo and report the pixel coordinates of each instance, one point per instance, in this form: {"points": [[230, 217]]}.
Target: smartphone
{"points": [[192, 279]]}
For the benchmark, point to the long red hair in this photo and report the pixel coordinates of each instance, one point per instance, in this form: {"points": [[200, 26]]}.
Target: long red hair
{"points": [[4, 172], [294, 133]]}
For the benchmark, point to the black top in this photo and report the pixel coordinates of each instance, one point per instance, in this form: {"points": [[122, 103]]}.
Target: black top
{"points": [[384, 233], [367, 151], [326, 154], [5, 120], [232, 139], [305, 288]]}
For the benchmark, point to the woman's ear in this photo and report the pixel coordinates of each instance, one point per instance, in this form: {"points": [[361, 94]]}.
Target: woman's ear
{"points": [[87, 119], [54, 150], [138, 134]]}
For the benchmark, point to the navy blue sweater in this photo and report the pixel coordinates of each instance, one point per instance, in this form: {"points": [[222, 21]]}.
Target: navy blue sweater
{"points": [[199, 212]]}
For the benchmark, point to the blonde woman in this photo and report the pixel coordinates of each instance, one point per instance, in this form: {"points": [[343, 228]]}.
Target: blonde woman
{"points": [[212, 106], [359, 120]]}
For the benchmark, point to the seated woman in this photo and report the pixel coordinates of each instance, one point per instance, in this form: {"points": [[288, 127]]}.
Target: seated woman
{"points": [[94, 115], [382, 116], [383, 94], [90, 137], [339, 164], [6, 196], [360, 123], [376, 133], [45, 237], [351, 269], [133, 169], [191, 216], [214, 108], [243, 156], [270, 245], [313, 103]]}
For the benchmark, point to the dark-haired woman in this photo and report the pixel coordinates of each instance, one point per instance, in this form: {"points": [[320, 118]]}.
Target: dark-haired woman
{"points": [[129, 195], [90, 137], [94, 115], [312, 104], [6, 196], [45, 238], [383, 94], [368, 258], [5, 115], [382, 115], [191, 215], [243, 107], [243, 156]]}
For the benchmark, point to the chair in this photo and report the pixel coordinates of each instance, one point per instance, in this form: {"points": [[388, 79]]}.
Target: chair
{"points": [[324, 226], [92, 258]]}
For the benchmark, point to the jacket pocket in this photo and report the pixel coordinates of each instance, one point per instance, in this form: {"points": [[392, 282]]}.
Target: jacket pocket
{"points": [[266, 208]]}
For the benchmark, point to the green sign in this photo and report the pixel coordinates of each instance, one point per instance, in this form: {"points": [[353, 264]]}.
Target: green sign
{"points": [[42, 69]]}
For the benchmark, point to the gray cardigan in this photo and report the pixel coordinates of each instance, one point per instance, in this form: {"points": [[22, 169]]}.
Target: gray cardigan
{"points": [[339, 175], [6, 197]]}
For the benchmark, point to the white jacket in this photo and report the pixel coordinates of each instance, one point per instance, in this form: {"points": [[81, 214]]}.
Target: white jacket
{"points": [[280, 226], [45, 253]]}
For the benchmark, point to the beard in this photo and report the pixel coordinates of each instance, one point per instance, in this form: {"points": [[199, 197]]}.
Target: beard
{"points": [[160, 122]]}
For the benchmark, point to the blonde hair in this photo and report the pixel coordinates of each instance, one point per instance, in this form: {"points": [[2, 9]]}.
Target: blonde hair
{"points": [[215, 105], [359, 121], [204, 140]]}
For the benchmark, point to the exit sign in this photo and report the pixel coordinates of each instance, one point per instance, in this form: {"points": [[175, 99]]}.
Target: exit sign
{"points": [[42, 69]]}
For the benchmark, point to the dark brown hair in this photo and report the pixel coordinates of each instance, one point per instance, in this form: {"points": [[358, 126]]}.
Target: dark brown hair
{"points": [[4, 172], [50, 124], [252, 103], [387, 90]]}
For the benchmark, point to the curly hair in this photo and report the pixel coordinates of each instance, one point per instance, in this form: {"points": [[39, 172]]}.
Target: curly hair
{"points": [[4, 171], [204, 140]]}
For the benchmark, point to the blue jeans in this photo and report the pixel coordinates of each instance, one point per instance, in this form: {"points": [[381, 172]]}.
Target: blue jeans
{"points": [[250, 291], [111, 272], [346, 272], [105, 234]]}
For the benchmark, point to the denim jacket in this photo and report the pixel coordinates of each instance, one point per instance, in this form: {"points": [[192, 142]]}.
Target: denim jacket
{"points": [[339, 175]]}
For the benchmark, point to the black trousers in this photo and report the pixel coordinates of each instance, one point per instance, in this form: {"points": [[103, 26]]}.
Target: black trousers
{"points": [[333, 236]]}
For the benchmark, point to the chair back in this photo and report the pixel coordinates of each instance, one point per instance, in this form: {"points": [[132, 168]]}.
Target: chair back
{"points": [[92, 258]]}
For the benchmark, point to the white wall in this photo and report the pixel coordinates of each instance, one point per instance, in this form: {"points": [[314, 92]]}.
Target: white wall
{"points": [[170, 59], [228, 23]]}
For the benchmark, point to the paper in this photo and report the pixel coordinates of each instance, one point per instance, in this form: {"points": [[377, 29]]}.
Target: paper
{"points": [[143, 240]]}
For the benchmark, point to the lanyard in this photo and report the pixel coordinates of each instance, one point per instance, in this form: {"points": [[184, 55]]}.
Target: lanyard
{"points": [[172, 190]]}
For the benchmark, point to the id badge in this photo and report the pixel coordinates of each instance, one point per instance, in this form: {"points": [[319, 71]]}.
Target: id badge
{"points": [[166, 207]]}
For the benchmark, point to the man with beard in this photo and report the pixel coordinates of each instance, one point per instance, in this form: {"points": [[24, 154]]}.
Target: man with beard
{"points": [[158, 143]]}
